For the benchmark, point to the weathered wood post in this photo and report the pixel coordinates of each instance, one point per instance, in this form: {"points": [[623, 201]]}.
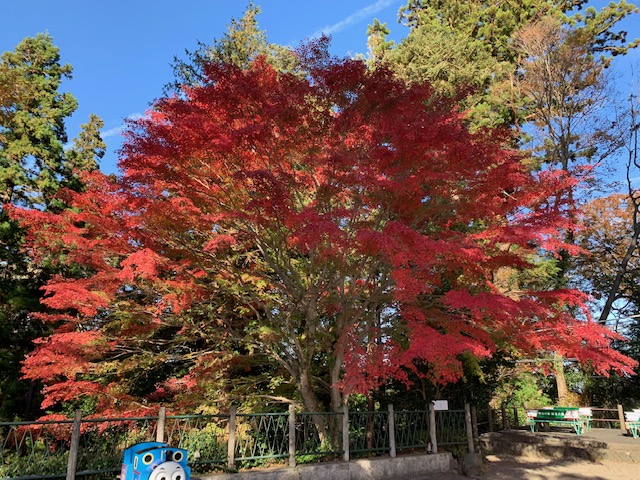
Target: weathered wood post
{"points": [[345, 433], [392, 433], [292, 436], [515, 416], [623, 425], [231, 445], [490, 417], [467, 420], [474, 421], [432, 428], [162, 421], [72, 463]]}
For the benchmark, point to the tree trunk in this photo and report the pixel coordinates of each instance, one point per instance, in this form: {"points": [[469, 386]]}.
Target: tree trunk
{"points": [[29, 400], [561, 380], [337, 401], [311, 404], [370, 421], [622, 269]]}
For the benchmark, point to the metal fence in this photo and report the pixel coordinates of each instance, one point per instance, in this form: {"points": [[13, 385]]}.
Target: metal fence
{"points": [[228, 442], [413, 429]]}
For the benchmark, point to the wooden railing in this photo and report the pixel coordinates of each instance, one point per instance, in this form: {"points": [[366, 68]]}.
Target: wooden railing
{"points": [[608, 417]]}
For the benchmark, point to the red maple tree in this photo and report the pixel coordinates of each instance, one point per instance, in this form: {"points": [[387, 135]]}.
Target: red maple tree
{"points": [[339, 223]]}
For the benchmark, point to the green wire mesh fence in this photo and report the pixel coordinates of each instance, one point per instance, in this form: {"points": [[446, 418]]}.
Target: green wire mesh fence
{"points": [[451, 428], [315, 443], [412, 429], [34, 450], [368, 432], [262, 436]]}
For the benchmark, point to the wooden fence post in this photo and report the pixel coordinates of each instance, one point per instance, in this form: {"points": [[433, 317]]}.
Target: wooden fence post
{"points": [[623, 425], [345, 433], [231, 445], [72, 463], [474, 421], [292, 435], [432, 428], [490, 417], [467, 421], [515, 416], [162, 420], [392, 432]]}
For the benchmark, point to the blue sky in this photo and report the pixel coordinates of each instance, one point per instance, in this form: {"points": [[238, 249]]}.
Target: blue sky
{"points": [[121, 50]]}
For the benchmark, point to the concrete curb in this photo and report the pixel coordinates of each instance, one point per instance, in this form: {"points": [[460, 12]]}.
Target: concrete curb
{"points": [[365, 469]]}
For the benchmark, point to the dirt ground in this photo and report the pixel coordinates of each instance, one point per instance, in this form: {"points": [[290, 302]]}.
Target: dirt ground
{"points": [[507, 467], [503, 467]]}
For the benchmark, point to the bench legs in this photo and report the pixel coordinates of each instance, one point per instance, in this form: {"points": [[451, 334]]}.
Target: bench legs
{"points": [[578, 426]]}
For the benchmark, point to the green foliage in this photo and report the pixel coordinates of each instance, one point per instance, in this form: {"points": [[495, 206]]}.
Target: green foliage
{"points": [[209, 443], [467, 44], [450, 59], [40, 463], [31, 153], [17, 330], [240, 45], [377, 41], [522, 389], [33, 168], [542, 276], [472, 45], [87, 150]]}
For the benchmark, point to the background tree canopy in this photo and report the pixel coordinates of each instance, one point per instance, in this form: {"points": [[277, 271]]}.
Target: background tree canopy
{"points": [[344, 225]]}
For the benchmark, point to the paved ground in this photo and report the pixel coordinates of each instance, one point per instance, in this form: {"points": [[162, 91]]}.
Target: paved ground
{"points": [[507, 467], [621, 461]]}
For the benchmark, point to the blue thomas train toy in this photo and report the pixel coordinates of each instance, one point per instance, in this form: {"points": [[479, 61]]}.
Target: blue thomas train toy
{"points": [[154, 461]]}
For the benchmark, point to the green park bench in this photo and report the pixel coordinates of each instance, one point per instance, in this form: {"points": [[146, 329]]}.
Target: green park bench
{"points": [[577, 418], [632, 421]]}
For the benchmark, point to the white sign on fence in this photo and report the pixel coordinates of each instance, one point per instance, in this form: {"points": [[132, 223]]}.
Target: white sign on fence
{"points": [[440, 405]]}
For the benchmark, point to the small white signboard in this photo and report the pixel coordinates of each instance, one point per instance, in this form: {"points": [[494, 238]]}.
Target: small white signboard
{"points": [[440, 405]]}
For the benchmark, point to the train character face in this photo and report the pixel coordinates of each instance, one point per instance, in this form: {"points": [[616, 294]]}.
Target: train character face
{"points": [[168, 471], [154, 461]]}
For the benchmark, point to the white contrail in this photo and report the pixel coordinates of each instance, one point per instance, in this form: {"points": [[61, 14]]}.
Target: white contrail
{"points": [[112, 132], [355, 17]]}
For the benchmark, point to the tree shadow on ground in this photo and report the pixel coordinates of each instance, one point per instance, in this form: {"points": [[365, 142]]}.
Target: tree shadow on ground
{"points": [[508, 467]]}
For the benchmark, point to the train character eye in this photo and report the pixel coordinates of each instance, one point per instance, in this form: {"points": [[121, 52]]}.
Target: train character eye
{"points": [[177, 456]]}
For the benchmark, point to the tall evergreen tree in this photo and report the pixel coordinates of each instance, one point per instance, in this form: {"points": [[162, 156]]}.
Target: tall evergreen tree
{"points": [[243, 42], [33, 167], [377, 41], [88, 148], [32, 150], [471, 44]]}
